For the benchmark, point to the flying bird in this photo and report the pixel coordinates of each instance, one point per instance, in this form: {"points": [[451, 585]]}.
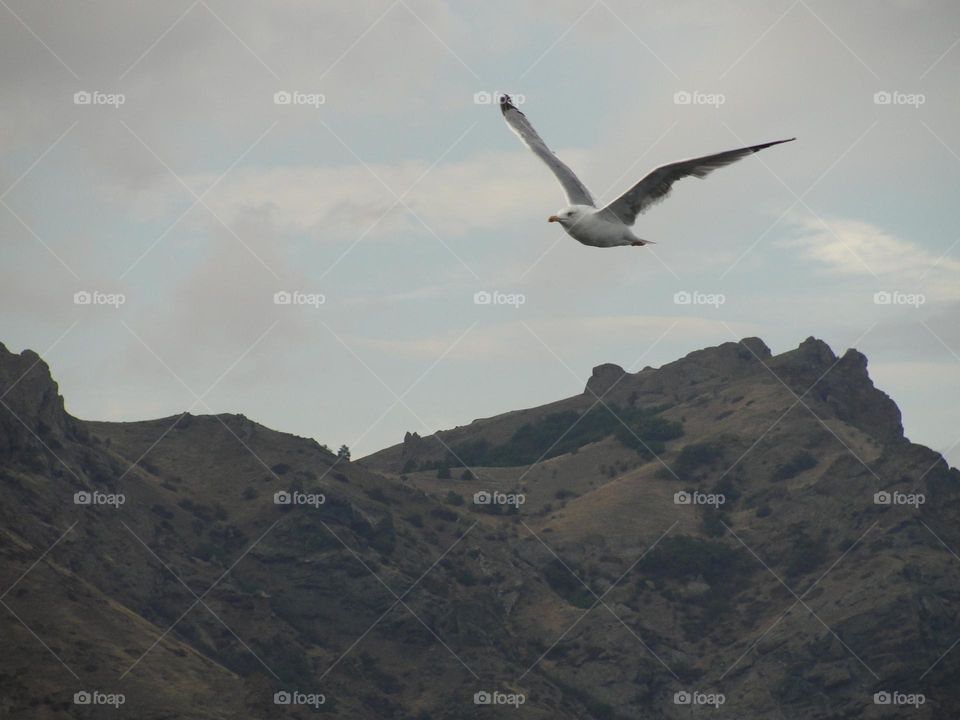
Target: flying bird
{"points": [[610, 226]]}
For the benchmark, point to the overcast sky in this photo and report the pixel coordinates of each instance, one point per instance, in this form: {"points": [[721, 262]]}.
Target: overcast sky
{"points": [[185, 188]]}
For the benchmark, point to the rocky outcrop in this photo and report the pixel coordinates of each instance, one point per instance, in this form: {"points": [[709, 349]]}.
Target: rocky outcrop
{"points": [[603, 378], [31, 408], [813, 372]]}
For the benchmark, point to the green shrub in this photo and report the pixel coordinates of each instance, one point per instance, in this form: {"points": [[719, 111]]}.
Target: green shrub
{"points": [[566, 432], [796, 465], [684, 558], [564, 584], [713, 522], [695, 456], [806, 554], [444, 514]]}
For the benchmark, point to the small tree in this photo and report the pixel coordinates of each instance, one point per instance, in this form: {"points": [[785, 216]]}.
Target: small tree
{"points": [[344, 453]]}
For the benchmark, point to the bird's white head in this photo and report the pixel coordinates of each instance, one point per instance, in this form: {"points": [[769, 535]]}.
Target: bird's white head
{"points": [[567, 217]]}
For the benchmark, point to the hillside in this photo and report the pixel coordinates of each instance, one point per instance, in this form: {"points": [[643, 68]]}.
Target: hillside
{"points": [[583, 588]]}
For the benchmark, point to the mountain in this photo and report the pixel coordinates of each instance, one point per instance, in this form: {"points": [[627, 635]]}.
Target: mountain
{"points": [[736, 529]]}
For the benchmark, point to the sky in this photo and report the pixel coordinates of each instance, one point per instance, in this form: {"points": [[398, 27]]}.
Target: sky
{"points": [[167, 168]]}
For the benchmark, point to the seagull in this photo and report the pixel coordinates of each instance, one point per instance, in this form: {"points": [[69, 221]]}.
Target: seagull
{"points": [[610, 226]]}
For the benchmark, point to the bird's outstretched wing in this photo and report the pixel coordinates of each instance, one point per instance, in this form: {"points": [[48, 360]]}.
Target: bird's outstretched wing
{"points": [[577, 193], [656, 185]]}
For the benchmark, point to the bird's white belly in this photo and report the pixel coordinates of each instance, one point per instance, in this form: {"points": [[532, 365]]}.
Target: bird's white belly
{"points": [[596, 231]]}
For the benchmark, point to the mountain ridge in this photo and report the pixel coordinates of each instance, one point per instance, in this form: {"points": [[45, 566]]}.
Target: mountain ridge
{"points": [[600, 595], [805, 367]]}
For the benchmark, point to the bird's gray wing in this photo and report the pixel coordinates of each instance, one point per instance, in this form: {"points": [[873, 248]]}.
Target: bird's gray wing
{"points": [[656, 185], [577, 193]]}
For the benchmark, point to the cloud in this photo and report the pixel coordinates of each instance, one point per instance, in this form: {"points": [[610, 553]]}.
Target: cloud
{"points": [[850, 247], [477, 193]]}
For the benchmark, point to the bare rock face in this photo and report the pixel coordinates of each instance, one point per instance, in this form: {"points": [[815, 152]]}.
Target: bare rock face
{"points": [[603, 378], [722, 363], [863, 405], [813, 371], [32, 413]]}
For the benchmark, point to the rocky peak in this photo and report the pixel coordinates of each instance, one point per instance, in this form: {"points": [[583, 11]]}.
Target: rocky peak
{"points": [[756, 347], [728, 359], [723, 362], [860, 403], [603, 378], [844, 384], [32, 408], [816, 350]]}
